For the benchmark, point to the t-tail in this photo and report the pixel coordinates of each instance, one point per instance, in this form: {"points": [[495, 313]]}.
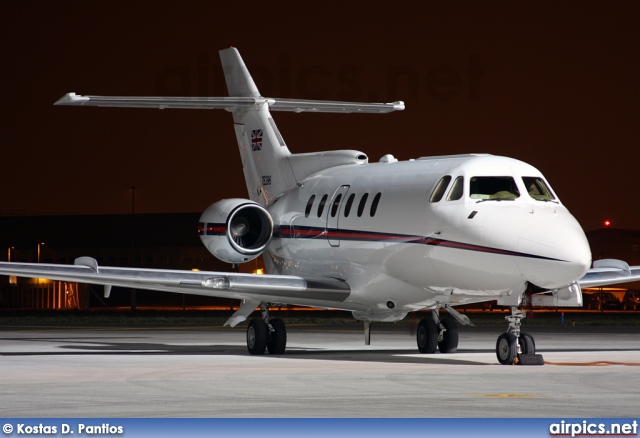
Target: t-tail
{"points": [[269, 168], [265, 156]]}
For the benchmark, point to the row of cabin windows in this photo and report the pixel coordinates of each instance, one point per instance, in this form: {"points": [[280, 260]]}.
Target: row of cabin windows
{"points": [[335, 206]]}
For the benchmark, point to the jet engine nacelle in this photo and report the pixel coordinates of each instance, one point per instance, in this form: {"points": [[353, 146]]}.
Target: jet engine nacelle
{"points": [[235, 230]]}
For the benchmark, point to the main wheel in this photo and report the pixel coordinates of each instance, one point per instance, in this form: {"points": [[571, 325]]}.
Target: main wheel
{"points": [[257, 336], [527, 343], [427, 336], [449, 342], [278, 339], [506, 348]]}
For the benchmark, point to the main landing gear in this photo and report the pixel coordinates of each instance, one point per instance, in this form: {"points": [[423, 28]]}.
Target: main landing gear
{"points": [[437, 333], [266, 334], [515, 347]]}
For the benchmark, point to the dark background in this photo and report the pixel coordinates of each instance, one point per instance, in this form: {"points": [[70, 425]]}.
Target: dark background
{"points": [[553, 84]]}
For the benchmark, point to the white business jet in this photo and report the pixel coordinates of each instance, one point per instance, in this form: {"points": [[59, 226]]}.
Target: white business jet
{"points": [[378, 239]]}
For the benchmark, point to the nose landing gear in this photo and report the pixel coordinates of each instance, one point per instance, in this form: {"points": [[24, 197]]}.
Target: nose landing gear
{"points": [[515, 347]]}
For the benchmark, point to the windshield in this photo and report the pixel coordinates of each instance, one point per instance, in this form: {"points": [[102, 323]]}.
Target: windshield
{"points": [[493, 187], [537, 188]]}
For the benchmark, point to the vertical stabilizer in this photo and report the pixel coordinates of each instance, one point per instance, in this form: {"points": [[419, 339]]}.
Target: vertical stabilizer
{"points": [[265, 156], [239, 81]]}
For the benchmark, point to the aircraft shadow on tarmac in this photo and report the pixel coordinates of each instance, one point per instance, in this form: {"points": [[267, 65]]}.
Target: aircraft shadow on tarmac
{"points": [[143, 344], [129, 346], [69, 347]]}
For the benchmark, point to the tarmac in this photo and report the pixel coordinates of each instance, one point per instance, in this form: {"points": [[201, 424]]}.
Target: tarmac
{"points": [[327, 371]]}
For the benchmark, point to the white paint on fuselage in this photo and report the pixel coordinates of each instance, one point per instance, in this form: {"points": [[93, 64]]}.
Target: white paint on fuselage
{"points": [[554, 249]]}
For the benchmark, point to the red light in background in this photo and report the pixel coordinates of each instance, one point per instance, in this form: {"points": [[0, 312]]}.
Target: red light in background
{"points": [[607, 223]]}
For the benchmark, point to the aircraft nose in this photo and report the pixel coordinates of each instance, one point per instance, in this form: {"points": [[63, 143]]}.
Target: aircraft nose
{"points": [[557, 254]]}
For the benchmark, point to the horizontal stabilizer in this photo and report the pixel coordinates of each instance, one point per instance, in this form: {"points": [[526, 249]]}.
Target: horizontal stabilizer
{"points": [[229, 103], [328, 106]]}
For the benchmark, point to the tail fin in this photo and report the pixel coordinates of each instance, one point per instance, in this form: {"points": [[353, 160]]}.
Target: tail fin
{"points": [[265, 156], [239, 81]]}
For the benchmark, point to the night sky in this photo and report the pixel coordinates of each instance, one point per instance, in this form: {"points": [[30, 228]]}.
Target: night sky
{"points": [[555, 84]]}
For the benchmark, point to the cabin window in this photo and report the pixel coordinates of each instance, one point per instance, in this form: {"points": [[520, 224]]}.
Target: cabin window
{"points": [[457, 188], [374, 204], [307, 210], [440, 188], [363, 201], [335, 205], [493, 187], [347, 207], [537, 188], [321, 206]]}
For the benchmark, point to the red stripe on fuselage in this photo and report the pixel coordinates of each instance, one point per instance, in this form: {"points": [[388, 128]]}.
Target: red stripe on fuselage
{"points": [[367, 236]]}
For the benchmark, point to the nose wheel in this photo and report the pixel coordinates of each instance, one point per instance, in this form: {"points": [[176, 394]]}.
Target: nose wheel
{"points": [[507, 348], [515, 347]]}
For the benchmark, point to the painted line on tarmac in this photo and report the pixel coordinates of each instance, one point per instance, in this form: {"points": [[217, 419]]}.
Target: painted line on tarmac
{"points": [[506, 395], [600, 363]]}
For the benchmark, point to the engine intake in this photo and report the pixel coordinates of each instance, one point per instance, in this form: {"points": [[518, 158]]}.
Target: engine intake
{"points": [[235, 230]]}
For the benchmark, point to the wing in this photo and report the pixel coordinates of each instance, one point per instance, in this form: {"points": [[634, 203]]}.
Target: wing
{"points": [[285, 289], [229, 103], [609, 271]]}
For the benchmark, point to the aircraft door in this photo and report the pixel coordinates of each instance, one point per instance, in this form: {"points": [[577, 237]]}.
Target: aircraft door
{"points": [[334, 209]]}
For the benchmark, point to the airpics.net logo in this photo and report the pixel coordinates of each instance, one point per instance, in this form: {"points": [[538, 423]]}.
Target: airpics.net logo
{"points": [[586, 428]]}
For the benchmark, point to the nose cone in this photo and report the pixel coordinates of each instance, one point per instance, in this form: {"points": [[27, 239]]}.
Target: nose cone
{"points": [[555, 253]]}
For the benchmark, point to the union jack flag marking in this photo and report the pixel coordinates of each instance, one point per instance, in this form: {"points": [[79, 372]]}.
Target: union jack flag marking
{"points": [[256, 139]]}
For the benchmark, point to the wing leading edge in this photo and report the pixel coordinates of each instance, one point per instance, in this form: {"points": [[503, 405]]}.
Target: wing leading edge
{"points": [[609, 271], [320, 292]]}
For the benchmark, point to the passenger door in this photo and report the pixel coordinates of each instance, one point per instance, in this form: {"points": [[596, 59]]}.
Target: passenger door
{"points": [[334, 209]]}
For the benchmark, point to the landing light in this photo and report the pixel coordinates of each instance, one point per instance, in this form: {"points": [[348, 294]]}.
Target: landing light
{"points": [[222, 283]]}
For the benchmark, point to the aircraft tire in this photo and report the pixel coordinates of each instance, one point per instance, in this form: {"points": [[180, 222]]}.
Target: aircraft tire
{"points": [[527, 343], [278, 339], [257, 336], [449, 343], [427, 336], [506, 348]]}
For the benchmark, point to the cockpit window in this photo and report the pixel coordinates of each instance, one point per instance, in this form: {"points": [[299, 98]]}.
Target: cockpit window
{"points": [[537, 188], [457, 188], [493, 187], [441, 187]]}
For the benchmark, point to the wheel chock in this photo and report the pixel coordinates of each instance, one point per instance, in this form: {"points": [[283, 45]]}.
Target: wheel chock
{"points": [[530, 359]]}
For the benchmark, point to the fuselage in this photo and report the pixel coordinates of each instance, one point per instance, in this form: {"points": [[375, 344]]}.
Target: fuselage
{"points": [[438, 230]]}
